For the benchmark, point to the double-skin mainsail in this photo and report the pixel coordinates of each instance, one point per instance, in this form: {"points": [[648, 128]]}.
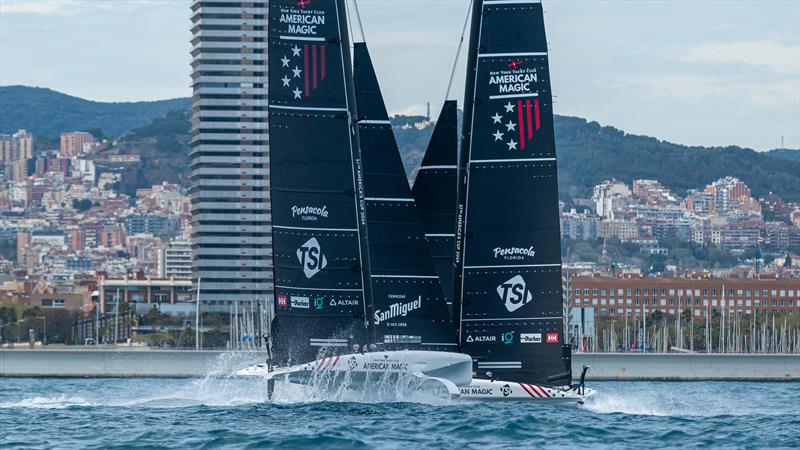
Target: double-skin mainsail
{"points": [[320, 256], [507, 294], [435, 194], [352, 268], [409, 308]]}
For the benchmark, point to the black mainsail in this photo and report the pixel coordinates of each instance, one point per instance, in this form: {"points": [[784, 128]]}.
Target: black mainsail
{"points": [[435, 194], [508, 281], [319, 242], [409, 308]]}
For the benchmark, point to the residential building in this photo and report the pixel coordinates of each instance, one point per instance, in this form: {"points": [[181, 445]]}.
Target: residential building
{"points": [[75, 143], [175, 260], [612, 296], [231, 216], [140, 289], [609, 197]]}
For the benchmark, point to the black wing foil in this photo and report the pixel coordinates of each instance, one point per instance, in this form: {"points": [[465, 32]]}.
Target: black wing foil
{"points": [[409, 309], [435, 194], [316, 238], [510, 290]]}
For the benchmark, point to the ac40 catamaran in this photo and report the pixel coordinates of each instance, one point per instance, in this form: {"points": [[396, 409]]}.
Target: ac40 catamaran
{"points": [[357, 292]]}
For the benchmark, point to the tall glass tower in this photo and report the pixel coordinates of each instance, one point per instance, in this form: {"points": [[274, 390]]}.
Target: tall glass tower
{"points": [[231, 220]]}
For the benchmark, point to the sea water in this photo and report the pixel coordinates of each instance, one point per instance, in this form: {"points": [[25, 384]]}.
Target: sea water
{"points": [[223, 412]]}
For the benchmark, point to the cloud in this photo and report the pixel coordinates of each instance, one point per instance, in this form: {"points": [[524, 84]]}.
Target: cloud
{"points": [[783, 59], [70, 7], [47, 7], [700, 88]]}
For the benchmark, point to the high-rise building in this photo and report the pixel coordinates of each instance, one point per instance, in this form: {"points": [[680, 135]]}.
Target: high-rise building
{"points": [[8, 147], [24, 142], [73, 143], [231, 220]]}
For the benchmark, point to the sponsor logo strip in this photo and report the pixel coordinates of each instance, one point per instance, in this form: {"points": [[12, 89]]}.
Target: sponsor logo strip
{"points": [[294, 288], [437, 167], [385, 199]]}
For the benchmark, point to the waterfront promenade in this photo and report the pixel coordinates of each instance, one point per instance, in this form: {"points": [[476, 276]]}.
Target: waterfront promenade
{"points": [[82, 362]]}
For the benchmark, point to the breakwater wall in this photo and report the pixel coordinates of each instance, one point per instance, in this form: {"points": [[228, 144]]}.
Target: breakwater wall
{"points": [[688, 366], [182, 363]]}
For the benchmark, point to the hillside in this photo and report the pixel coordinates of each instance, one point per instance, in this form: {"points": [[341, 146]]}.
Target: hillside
{"points": [[47, 113], [163, 148], [590, 153], [785, 154]]}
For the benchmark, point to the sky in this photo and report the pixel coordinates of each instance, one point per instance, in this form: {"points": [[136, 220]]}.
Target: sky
{"points": [[694, 72]]}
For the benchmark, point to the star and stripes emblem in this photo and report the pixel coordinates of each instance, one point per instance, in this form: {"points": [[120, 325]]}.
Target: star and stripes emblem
{"points": [[515, 121], [304, 67]]}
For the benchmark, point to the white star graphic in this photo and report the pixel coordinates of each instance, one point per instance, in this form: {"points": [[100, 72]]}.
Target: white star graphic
{"points": [[297, 72], [512, 144], [297, 93], [285, 80], [285, 61], [497, 117], [295, 51], [510, 107], [511, 126], [498, 136]]}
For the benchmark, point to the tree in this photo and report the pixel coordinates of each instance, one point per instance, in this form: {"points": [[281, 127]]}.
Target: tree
{"points": [[788, 261], [82, 205]]}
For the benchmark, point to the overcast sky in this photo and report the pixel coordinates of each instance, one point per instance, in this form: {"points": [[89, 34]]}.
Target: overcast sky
{"points": [[723, 72]]}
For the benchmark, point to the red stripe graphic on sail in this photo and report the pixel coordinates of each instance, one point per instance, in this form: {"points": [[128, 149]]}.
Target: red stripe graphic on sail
{"points": [[536, 109], [336, 361], [529, 392], [321, 363], [314, 65], [521, 114], [530, 119], [322, 57], [305, 72]]}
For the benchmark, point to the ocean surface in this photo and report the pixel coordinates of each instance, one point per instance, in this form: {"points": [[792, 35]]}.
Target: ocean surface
{"points": [[222, 412]]}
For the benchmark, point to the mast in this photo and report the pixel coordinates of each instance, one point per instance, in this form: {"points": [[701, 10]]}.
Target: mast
{"points": [[463, 160], [508, 291], [319, 235], [409, 308]]}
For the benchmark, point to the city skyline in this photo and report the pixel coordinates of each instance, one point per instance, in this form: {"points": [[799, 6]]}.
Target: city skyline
{"points": [[728, 76]]}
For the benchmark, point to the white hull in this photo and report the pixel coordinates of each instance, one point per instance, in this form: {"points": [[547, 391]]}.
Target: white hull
{"points": [[497, 390], [358, 371]]}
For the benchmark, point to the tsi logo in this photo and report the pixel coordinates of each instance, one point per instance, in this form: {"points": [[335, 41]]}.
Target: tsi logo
{"points": [[311, 258], [514, 293]]}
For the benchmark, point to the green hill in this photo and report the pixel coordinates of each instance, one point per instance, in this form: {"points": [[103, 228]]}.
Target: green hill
{"points": [[785, 154], [590, 153], [47, 113]]}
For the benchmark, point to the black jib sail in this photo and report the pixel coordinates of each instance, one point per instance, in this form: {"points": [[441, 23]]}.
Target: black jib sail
{"points": [[508, 289], [409, 307], [435, 194], [318, 234]]}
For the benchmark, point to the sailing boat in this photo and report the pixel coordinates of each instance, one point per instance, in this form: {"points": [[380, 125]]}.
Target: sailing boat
{"points": [[507, 297], [336, 312]]}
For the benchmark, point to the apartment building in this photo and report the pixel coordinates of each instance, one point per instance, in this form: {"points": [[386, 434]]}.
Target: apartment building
{"points": [[231, 221]]}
